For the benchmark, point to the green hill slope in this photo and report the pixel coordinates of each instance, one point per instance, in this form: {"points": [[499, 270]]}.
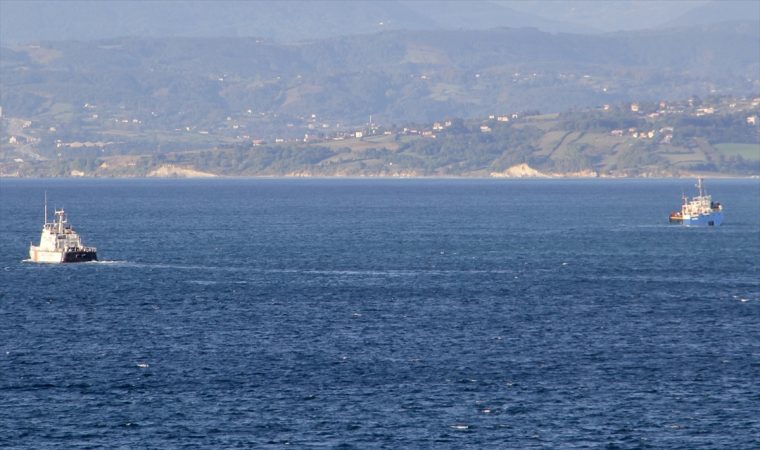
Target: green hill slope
{"points": [[394, 76], [717, 136]]}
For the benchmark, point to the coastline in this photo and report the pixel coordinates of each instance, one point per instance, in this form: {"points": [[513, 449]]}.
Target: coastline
{"points": [[519, 171], [410, 177]]}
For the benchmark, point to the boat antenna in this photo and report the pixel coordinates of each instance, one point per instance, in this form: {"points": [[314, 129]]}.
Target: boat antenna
{"points": [[45, 206]]}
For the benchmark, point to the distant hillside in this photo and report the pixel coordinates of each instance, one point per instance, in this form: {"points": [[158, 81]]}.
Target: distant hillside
{"points": [[394, 75], [27, 21], [717, 11], [24, 22], [711, 137], [484, 15], [609, 15]]}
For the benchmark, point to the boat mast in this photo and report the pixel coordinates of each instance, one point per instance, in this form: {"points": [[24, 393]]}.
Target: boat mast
{"points": [[45, 207]]}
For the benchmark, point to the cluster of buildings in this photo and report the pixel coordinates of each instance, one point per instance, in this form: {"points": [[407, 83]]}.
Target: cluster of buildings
{"points": [[666, 133], [95, 116], [506, 118], [18, 140], [101, 144], [680, 108]]}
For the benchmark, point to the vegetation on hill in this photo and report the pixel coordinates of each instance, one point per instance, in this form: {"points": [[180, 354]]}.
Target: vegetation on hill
{"points": [[395, 76], [717, 135]]}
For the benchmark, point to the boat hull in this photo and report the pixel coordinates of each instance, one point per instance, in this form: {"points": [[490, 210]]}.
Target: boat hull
{"points": [[703, 220], [61, 257], [72, 257]]}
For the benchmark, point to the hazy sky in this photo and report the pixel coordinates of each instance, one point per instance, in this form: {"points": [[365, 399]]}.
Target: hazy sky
{"points": [[31, 20], [611, 15]]}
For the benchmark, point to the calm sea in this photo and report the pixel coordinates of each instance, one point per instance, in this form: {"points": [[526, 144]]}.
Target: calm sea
{"points": [[398, 314]]}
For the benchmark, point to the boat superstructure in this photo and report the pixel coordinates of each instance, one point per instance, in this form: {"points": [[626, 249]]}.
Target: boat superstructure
{"points": [[701, 211], [59, 243]]}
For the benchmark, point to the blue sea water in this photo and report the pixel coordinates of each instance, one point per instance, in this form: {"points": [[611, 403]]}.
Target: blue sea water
{"points": [[273, 313]]}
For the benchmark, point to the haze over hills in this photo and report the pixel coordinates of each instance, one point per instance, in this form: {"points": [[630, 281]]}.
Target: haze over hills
{"points": [[27, 21], [23, 22], [484, 15], [393, 75], [718, 11], [187, 78], [610, 15]]}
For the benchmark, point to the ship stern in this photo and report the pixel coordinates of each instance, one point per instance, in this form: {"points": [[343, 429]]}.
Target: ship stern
{"points": [[81, 256]]}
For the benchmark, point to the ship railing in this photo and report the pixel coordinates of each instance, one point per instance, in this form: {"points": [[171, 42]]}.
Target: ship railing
{"points": [[80, 249]]}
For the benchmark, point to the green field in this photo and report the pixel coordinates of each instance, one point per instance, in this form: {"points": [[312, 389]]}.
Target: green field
{"points": [[61, 111], [750, 152]]}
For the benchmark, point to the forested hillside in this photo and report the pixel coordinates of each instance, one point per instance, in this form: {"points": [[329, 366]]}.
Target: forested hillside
{"points": [[711, 136], [395, 76]]}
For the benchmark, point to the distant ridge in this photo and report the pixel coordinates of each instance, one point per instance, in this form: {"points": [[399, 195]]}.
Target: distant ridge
{"points": [[393, 75], [23, 22], [484, 15], [718, 11]]}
